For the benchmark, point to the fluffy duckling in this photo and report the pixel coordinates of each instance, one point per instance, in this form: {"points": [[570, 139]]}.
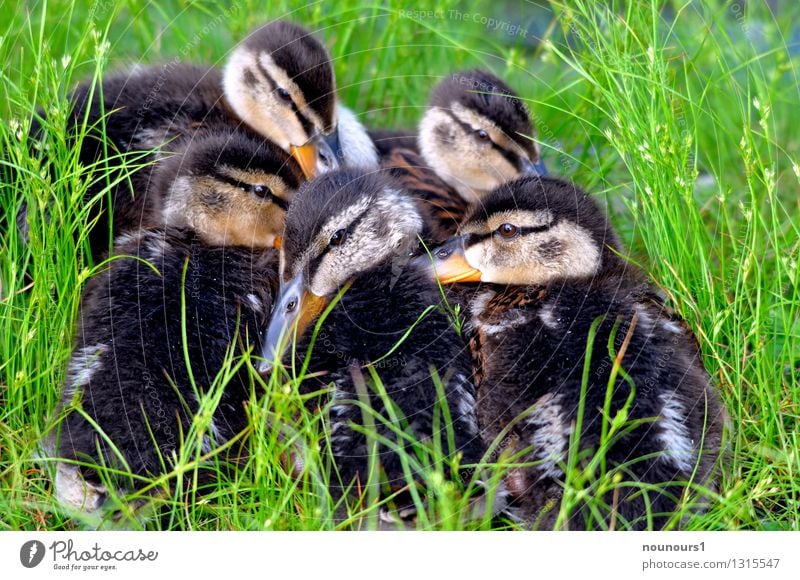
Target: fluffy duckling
{"points": [[475, 135], [545, 254], [226, 197], [348, 234]]}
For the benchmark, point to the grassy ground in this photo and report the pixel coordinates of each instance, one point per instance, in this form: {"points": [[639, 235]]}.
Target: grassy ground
{"points": [[684, 117]]}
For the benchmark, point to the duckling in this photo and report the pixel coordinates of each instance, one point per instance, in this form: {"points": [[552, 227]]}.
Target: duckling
{"points": [[225, 200], [347, 237], [549, 266], [475, 135]]}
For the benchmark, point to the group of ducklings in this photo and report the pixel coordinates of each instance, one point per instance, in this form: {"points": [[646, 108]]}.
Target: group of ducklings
{"points": [[268, 209]]}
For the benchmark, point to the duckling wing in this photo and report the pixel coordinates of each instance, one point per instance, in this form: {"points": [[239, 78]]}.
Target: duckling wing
{"points": [[441, 207]]}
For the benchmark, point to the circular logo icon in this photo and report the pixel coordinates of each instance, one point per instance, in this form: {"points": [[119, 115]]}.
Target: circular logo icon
{"points": [[31, 553]]}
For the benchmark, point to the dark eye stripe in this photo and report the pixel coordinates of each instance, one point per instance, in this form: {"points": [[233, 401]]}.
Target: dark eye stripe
{"points": [[304, 121], [468, 129], [270, 81], [535, 229], [315, 262], [280, 202], [521, 231], [510, 156]]}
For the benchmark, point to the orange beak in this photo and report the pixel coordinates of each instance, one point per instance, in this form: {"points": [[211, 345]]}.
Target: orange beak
{"points": [[456, 269], [306, 156], [449, 263]]}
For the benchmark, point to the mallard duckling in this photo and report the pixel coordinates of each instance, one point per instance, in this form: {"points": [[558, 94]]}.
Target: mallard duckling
{"points": [[280, 81], [226, 196], [546, 256], [350, 233], [475, 135]]}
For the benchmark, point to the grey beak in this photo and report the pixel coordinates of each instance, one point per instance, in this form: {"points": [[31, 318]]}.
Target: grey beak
{"points": [[296, 308], [332, 139], [527, 167], [327, 157], [284, 316]]}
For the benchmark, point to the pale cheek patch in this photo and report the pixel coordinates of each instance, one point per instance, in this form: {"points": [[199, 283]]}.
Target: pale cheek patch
{"points": [[444, 148], [580, 256], [495, 170], [500, 262]]}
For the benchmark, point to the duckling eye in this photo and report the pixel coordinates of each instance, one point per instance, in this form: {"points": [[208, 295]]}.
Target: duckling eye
{"points": [[338, 237], [482, 135], [508, 230], [284, 94], [260, 190]]}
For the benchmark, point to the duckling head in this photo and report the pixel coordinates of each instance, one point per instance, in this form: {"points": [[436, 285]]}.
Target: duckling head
{"points": [[230, 188], [528, 232], [476, 134], [339, 226], [280, 81]]}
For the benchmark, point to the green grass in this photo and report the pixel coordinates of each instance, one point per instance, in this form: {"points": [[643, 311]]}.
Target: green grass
{"points": [[683, 118]]}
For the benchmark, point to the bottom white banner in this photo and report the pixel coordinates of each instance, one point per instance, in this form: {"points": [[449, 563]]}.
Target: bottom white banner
{"points": [[402, 555]]}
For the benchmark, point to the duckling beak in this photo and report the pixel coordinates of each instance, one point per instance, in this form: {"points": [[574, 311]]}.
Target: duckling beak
{"points": [[448, 263], [527, 167], [295, 309], [319, 155], [332, 140], [306, 156]]}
